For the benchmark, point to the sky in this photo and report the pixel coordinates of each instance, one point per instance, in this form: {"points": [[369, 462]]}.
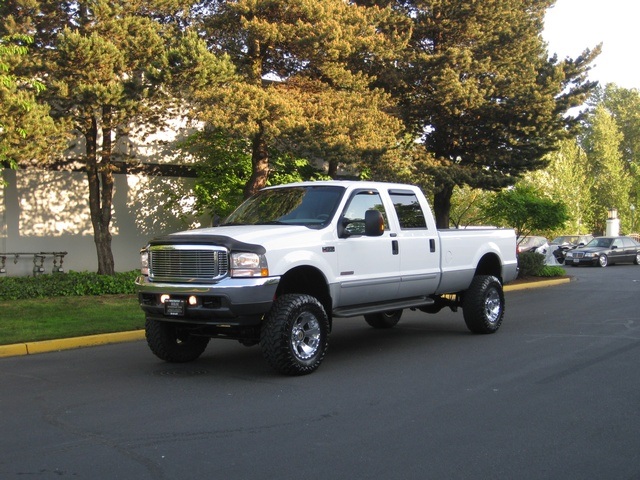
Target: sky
{"points": [[573, 25]]}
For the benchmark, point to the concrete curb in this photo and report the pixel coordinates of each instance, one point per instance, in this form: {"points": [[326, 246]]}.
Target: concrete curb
{"points": [[31, 348]]}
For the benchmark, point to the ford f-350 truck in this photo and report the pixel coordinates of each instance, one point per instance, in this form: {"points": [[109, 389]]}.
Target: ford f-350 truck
{"points": [[292, 259]]}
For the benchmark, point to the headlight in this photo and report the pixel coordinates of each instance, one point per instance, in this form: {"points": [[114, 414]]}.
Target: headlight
{"points": [[248, 265], [569, 254], [144, 262]]}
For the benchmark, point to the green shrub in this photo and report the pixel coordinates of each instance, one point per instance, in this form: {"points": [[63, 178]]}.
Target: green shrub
{"points": [[531, 264], [66, 284], [552, 271]]}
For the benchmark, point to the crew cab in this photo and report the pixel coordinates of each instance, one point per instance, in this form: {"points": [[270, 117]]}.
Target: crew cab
{"points": [[293, 259]]}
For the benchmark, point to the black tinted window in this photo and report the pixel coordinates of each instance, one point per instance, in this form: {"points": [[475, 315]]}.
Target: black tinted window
{"points": [[408, 209]]}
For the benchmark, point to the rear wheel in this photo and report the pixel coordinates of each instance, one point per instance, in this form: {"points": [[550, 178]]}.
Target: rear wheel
{"points": [[603, 260], [384, 319], [636, 260], [294, 336], [172, 343], [483, 304]]}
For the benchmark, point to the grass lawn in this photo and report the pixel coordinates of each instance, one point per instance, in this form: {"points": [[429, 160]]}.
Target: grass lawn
{"points": [[64, 317]]}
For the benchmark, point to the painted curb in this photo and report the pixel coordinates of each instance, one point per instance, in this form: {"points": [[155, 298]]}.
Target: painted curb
{"points": [[538, 284], [31, 348]]}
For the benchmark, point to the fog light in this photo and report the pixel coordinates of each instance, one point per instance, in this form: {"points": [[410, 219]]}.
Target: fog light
{"points": [[193, 301], [164, 298]]}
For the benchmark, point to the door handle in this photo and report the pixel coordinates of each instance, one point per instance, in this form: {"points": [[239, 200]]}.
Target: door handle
{"points": [[394, 247], [432, 244]]}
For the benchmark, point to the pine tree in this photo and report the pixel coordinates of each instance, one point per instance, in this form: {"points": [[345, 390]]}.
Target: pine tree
{"points": [[478, 89], [27, 131], [301, 86], [107, 64]]}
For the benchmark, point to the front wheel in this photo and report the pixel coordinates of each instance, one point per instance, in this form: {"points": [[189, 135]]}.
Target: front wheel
{"points": [[294, 336], [483, 304], [603, 260], [173, 343], [636, 260], [384, 319]]}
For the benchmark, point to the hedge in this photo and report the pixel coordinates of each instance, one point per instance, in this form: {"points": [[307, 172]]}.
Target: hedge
{"points": [[66, 285]]}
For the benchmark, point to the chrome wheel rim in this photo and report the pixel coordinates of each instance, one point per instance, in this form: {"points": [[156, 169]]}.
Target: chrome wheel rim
{"points": [[305, 336], [492, 306]]}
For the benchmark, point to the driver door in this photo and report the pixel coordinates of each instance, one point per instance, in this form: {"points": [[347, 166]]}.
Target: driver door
{"points": [[368, 267]]}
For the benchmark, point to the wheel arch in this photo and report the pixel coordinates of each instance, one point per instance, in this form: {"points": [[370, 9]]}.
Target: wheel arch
{"points": [[308, 280], [490, 264]]}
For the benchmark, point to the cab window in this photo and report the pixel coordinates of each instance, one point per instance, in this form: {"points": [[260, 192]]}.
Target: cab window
{"points": [[408, 209], [353, 217]]}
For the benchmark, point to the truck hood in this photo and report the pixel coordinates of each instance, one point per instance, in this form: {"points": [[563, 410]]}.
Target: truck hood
{"points": [[242, 237]]}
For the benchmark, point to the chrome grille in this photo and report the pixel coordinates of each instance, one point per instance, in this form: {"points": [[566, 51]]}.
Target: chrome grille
{"points": [[578, 255], [187, 263]]}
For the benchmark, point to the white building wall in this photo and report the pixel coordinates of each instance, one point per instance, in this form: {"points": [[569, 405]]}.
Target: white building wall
{"points": [[48, 211]]}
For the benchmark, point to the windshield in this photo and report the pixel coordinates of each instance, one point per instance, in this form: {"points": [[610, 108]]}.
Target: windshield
{"points": [[600, 242], [310, 206]]}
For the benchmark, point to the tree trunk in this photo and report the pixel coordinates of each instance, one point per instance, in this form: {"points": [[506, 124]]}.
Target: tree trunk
{"points": [[259, 165], [101, 183], [442, 205], [333, 168]]}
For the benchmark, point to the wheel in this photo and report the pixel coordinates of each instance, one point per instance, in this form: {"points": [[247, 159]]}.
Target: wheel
{"points": [[603, 260], [483, 304], [636, 261], [294, 336], [384, 319], [172, 343]]}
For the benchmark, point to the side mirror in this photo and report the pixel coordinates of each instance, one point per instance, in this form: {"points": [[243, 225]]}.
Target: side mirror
{"points": [[343, 223], [373, 223]]}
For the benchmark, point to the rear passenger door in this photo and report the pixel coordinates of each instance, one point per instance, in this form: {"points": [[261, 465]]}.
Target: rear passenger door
{"points": [[629, 249], [617, 251], [417, 246]]}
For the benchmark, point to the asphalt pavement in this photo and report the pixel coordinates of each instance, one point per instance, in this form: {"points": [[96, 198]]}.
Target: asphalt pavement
{"points": [[32, 348], [554, 394]]}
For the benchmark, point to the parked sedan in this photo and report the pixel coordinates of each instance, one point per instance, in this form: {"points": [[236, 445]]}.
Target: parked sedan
{"points": [[605, 251]]}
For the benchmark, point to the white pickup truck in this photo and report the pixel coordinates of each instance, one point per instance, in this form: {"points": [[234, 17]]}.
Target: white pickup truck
{"points": [[293, 258]]}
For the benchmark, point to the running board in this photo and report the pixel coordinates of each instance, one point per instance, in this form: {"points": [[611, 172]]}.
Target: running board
{"points": [[356, 310]]}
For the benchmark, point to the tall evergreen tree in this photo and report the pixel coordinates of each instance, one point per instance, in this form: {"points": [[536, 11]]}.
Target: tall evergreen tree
{"points": [[107, 64], [478, 89], [301, 87], [27, 131]]}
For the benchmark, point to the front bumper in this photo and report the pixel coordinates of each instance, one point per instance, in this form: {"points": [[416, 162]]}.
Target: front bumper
{"points": [[581, 261], [229, 302]]}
